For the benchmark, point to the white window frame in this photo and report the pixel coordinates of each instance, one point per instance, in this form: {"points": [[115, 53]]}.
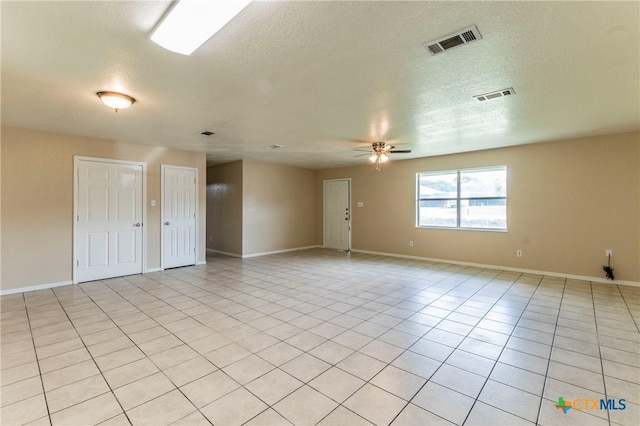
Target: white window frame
{"points": [[458, 198]]}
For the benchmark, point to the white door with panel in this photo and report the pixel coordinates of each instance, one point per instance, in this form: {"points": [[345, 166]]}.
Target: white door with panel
{"points": [[179, 206], [109, 212], [337, 214]]}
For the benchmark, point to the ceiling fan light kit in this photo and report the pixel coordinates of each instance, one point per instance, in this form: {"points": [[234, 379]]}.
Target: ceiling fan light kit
{"points": [[378, 157], [381, 153]]}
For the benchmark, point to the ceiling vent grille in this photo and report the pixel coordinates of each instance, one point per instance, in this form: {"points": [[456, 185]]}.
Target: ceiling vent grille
{"points": [[450, 41], [497, 94]]}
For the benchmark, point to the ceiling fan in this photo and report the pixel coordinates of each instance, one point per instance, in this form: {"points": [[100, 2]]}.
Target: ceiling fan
{"points": [[380, 151]]}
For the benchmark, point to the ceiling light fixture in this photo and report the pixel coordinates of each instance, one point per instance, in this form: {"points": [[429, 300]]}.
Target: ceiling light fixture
{"points": [[116, 100], [378, 157], [380, 153], [192, 22]]}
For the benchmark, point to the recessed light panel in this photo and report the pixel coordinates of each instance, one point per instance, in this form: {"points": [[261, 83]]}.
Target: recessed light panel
{"points": [[192, 22]]}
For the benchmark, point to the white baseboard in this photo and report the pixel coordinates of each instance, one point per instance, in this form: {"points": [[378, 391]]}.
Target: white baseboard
{"points": [[34, 288], [266, 253], [226, 253], [150, 270], [201, 262], [505, 268]]}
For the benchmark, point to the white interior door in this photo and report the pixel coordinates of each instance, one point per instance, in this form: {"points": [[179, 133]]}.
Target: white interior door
{"points": [[108, 219], [337, 214], [179, 206]]}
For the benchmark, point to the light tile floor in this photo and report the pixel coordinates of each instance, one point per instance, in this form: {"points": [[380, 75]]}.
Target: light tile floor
{"points": [[321, 337]]}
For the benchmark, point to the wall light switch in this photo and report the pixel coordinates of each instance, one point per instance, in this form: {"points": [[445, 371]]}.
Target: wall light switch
{"points": [[153, 203], [360, 204]]}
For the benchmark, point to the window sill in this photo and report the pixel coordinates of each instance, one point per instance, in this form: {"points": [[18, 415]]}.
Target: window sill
{"points": [[453, 228]]}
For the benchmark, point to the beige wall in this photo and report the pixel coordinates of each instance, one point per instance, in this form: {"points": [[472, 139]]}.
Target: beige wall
{"points": [[224, 208], [279, 207], [0, 211], [568, 202], [37, 201], [255, 207]]}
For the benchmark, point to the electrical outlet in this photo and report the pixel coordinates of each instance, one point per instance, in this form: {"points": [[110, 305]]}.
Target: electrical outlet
{"points": [[608, 252], [519, 253], [410, 243]]}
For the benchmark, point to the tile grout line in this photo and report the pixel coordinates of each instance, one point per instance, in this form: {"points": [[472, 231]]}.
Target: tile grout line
{"points": [[624, 299], [546, 374], [222, 370], [457, 346], [524, 309], [151, 360], [365, 382], [92, 359], [465, 335], [595, 321], [241, 286], [33, 342]]}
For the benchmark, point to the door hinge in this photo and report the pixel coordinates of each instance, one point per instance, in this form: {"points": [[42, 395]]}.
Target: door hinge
{"points": [[77, 263], [78, 218]]}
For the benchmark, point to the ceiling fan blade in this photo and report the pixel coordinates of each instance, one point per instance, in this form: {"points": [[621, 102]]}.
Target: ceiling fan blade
{"points": [[400, 151], [363, 149], [362, 155]]}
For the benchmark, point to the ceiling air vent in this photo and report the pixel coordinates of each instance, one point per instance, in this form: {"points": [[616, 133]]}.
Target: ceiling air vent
{"points": [[450, 41], [496, 94]]}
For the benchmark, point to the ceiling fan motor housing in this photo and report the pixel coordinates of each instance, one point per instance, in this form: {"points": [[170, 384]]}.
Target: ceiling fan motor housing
{"points": [[381, 146]]}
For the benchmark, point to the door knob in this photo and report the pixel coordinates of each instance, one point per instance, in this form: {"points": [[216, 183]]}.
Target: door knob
{"points": [[167, 223], [137, 225]]}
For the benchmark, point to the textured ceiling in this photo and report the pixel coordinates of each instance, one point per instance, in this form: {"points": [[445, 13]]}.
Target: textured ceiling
{"points": [[323, 78]]}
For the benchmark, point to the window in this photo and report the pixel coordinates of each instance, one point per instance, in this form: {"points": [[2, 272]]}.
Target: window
{"points": [[471, 199]]}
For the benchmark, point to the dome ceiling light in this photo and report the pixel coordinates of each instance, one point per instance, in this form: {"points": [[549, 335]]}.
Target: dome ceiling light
{"points": [[116, 100]]}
